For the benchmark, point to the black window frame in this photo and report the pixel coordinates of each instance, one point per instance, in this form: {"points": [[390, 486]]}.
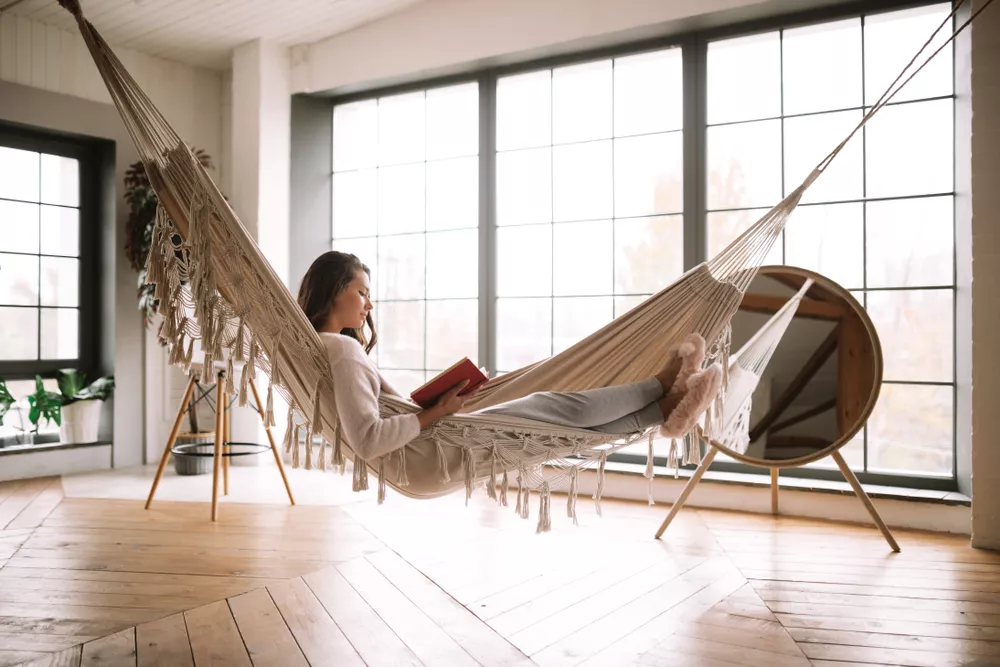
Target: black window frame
{"points": [[89, 154], [694, 45]]}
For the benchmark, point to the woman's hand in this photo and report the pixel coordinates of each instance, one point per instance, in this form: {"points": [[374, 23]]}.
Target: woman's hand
{"points": [[449, 403]]}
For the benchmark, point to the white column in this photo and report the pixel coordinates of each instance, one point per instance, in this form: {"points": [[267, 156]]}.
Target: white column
{"points": [[985, 278], [260, 123]]}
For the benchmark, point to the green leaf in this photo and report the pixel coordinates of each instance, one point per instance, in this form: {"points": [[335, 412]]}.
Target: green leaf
{"points": [[6, 400], [71, 382]]}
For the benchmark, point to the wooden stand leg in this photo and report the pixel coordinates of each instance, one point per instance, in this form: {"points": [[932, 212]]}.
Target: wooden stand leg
{"points": [[217, 458], [170, 440], [856, 485], [688, 488], [270, 438], [774, 490], [225, 444]]}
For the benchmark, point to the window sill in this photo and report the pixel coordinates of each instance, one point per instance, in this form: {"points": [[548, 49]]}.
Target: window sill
{"points": [[799, 484], [48, 447]]}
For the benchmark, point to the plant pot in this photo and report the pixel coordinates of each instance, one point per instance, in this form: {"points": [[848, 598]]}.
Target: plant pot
{"points": [[191, 464], [80, 422]]}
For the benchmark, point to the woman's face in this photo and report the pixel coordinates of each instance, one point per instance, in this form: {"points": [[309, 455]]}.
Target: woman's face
{"points": [[352, 306]]}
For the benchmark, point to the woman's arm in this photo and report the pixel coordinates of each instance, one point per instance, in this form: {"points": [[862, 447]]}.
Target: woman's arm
{"points": [[358, 383], [367, 432]]}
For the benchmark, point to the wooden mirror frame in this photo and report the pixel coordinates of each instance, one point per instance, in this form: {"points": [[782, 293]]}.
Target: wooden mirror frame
{"points": [[862, 325], [848, 344]]}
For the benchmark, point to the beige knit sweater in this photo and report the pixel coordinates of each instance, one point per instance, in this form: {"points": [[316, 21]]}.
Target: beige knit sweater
{"points": [[358, 382]]}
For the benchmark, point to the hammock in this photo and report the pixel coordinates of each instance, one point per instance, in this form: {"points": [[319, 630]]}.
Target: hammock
{"points": [[204, 262]]}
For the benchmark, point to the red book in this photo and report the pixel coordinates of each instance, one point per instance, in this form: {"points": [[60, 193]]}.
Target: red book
{"points": [[427, 395]]}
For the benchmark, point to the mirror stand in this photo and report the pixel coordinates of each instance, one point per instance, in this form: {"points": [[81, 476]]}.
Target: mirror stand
{"points": [[838, 459], [802, 385]]}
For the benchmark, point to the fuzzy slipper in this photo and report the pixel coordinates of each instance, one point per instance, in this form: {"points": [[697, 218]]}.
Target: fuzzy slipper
{"points": [[702, 387], [692, 354]]}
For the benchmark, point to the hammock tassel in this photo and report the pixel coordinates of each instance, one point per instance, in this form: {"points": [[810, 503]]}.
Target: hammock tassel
{"points": [[402, 480], [470, 472], [523, 493], [295, 447], [673, 461], [252, 357], [443, 463], [286, 443], [544, 510], [220, 328], [600, 484], [269, 410], [571, 498], [309, 447], [381, 480], [504, 485], [360, 482], [649, 470], [716, 428], [491, 486], [230, 385], [188, 355], [244, 385], [238, 350], [317, 413], [207, 367], [338, 453], [177, 351]]}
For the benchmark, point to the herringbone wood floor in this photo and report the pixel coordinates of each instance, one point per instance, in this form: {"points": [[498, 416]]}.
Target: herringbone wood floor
{"points": [[101, 581]]}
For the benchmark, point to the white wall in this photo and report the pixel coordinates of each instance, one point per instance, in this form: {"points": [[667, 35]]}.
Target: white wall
{"points": [[42, 57], [260, 125], [437, 36], [985, 278]]}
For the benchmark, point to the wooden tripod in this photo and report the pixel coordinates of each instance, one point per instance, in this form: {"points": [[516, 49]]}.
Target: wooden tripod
{"points": [[841, 463], [221, 448]]}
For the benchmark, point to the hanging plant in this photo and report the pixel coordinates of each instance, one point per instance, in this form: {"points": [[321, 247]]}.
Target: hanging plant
{"points": [[139, 229]]}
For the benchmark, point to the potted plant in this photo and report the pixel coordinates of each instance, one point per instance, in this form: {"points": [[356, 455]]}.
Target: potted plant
{"points": [[43, 403], [6, 402], [81, 405], [142, 204]]}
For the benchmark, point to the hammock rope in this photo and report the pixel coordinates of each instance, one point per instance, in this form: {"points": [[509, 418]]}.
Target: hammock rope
{"points": [[215, 286]]}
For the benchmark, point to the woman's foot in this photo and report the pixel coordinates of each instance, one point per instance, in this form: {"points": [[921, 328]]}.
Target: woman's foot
{"points": [[684, 361], [681, 410]]}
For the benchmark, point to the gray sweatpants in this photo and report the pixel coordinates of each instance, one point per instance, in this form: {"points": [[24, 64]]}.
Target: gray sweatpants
{"points": [[621, 409]]}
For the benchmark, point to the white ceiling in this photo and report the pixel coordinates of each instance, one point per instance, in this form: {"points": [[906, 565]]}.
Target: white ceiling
{"points": [[204, 32]]}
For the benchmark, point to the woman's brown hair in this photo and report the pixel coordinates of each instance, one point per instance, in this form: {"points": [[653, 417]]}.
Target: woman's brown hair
{"points": [[327, 277]]}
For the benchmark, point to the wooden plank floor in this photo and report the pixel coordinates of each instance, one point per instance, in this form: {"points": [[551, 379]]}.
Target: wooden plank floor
{"points": [[99, 581]]}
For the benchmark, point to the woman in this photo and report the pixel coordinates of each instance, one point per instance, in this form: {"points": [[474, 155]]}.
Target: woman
{"points": [[336, 297]]}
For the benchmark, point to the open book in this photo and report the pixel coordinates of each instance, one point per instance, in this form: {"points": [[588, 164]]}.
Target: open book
{"points": [[427, 395]]}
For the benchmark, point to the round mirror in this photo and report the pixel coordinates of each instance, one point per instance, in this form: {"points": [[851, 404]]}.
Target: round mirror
{"points": [[822, 378]]}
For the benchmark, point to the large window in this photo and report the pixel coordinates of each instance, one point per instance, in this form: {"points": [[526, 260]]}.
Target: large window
{"points": [[606, 178], [48, 278], [589, 178], [39, 256], [879, 222], [406, 202]]}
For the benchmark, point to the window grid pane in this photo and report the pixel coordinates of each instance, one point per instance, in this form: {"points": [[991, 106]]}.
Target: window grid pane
{"points": [[880, 218], [39, 256], [406, 203], [589, 195]]}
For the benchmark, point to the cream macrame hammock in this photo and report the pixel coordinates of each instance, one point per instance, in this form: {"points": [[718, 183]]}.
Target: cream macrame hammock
{"points": [[204, 262]]}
